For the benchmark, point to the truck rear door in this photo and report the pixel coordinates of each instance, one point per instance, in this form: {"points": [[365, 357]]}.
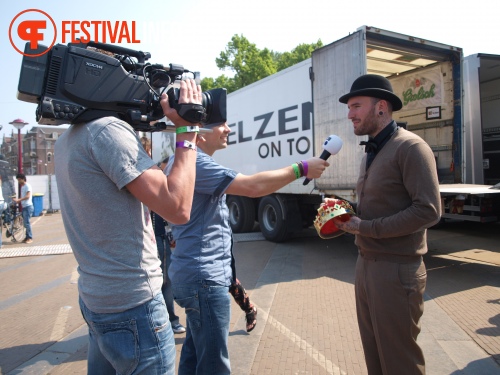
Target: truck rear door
{"points": [[334, 68]]}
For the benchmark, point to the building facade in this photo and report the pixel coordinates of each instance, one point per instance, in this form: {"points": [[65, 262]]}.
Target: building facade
{"points": [[37, 149]]}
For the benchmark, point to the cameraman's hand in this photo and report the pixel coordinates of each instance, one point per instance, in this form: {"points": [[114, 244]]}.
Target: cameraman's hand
{"points": [[190, 92], [316, 167]]}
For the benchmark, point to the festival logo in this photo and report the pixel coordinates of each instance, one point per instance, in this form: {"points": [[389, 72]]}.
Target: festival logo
{"points": [[37, 28]]}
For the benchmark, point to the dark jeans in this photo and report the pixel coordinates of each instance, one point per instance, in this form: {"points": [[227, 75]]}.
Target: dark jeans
{"points": [[165, 253]]}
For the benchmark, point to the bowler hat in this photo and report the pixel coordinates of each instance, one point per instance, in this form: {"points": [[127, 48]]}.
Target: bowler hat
{"points": [[375, 86]]}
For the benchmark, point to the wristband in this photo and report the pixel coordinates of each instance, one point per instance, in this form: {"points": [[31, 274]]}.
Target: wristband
{"points": [[185, 144], [296, 170], [187, 129], [306, 167], [301, 168]]}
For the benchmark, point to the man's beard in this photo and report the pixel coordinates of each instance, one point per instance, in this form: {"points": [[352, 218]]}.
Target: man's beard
{"points": [[369, 124]]}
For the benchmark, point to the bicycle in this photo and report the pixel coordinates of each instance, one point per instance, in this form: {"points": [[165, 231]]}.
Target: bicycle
{"points": [[12, 220]]}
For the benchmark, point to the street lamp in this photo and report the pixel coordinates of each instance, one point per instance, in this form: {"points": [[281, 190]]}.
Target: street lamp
{"points": [[19, 124]]}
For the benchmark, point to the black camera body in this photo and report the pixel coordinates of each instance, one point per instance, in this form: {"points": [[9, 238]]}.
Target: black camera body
{"points": [[73, 84]]}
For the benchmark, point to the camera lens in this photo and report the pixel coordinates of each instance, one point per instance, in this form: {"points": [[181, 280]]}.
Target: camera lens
{"points": [[213, 101], [215, 104]]}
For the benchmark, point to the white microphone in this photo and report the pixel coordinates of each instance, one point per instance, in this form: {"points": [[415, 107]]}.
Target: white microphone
{"points": [[331, 146]]}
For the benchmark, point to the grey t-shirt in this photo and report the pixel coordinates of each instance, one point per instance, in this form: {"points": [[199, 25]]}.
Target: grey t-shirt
{"points": [[109, 230]]}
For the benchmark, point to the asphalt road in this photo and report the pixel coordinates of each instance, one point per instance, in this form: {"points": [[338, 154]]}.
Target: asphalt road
{"points": [[304, 291]]}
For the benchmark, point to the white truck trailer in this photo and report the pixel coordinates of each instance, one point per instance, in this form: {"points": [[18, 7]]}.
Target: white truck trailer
{"points": [[451, 102]]}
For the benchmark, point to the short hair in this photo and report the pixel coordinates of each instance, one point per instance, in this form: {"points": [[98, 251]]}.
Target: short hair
{"points": [[21, 175], [376, 100]]}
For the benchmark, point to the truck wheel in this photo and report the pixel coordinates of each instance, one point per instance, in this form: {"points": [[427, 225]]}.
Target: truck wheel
{"points": [[272, 224], [241, 213]]}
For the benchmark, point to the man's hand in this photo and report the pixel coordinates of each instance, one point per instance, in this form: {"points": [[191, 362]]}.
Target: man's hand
{"points": [[190, 92], [315, 167], [350, 226]]}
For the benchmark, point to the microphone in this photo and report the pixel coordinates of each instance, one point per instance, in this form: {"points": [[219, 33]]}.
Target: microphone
{"points": [[331, 146]]}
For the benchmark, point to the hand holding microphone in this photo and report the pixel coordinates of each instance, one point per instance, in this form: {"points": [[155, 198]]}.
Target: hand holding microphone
{"points": [[331, 146]]}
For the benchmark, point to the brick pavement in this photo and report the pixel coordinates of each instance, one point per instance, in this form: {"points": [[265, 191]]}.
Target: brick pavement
{"points": [[472, 302], [306, 322]]}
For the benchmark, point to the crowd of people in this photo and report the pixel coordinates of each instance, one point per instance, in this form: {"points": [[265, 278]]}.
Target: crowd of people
{"points": [[132, 270]]}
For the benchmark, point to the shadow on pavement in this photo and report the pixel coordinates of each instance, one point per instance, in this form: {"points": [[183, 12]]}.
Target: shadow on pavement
{"points": [[10, 358]]}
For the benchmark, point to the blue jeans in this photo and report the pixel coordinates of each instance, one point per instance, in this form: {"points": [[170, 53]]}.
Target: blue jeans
{"points": [[27, 214], [3, 208], [136, 341], [164, 253], [208, 313]]}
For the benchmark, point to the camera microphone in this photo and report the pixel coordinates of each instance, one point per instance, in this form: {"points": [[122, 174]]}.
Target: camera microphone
{"points": [[331, 146]]}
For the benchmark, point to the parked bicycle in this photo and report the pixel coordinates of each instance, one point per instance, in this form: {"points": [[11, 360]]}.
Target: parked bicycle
{"points": [[12, 220]]}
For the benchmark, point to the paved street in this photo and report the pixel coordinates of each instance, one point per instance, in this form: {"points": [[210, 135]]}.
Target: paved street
{"points": [[305, 295]]}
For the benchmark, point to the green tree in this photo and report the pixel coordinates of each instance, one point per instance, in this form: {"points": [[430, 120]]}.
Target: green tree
{"points": [[209, 83], [248, 62], [251, 64], [300, 53]]}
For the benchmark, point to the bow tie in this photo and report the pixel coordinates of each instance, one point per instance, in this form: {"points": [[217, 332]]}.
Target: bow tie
{"points": [[370, 145]]}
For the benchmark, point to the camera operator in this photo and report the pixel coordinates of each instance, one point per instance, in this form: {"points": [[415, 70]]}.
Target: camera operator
{"points": [[107, 183]]}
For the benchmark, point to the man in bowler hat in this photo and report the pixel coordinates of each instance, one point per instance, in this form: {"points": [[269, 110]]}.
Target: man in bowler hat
{"points": [[398, 199]]}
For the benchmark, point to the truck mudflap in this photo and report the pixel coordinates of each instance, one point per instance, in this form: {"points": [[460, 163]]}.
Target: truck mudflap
{"points": [[279, 217]]}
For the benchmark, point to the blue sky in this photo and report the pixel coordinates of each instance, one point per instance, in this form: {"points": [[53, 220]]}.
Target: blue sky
{"points": [[194, 32]]}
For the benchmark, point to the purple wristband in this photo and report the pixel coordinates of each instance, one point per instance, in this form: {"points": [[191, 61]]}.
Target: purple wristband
{"points": [[306, 167], [185, 144]]}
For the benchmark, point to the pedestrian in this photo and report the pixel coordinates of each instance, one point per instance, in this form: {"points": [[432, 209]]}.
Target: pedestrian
{"points": [[398, 199], [201, 263], [163, 244], [3, 207], [26, 201], [236, 289], [241, 297], [106, 183]]}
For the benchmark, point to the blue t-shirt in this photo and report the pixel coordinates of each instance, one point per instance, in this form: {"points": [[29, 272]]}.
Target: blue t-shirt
{"points": [[203, 250]]}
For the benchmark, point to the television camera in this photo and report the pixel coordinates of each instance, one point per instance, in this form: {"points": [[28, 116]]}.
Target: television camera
{"points": [[74, 83]]}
